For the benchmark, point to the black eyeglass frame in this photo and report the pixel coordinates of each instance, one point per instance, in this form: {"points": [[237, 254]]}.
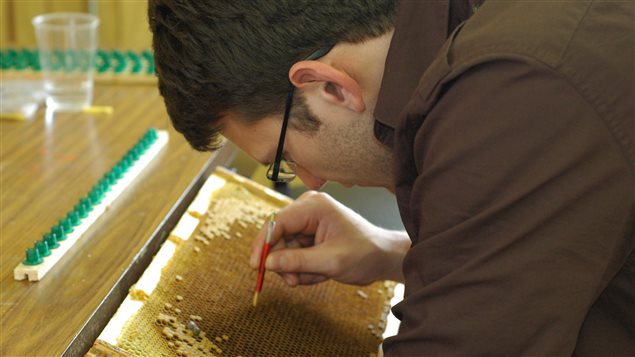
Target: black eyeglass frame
{"points": [[275, 166]]}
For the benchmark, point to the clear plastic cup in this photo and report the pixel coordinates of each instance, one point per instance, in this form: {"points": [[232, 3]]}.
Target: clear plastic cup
{"points": [[67, 43]]}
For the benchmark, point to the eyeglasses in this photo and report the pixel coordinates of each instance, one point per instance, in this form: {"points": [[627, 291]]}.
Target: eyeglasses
{"points": [[281, 170]]}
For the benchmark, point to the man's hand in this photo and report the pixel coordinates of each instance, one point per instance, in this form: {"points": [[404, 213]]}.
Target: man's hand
{"points": [[316, 238]]}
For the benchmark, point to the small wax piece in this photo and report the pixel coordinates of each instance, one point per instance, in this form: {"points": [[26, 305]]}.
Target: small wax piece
{"points": [[362, 294], [98, 109], [168, 332]]}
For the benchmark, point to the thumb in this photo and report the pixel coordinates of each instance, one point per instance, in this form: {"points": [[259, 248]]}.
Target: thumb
{"points": [[298, 260]]}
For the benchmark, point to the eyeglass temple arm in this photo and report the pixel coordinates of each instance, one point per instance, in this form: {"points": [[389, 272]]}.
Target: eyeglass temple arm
{"points": [[283, 132], [320, 52]]}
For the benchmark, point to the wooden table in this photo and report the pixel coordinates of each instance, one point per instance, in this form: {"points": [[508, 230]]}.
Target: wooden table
{"points": [[46, 165]]}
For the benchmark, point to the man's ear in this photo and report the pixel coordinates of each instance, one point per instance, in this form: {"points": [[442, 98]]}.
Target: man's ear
{"points": [[336, 87]]}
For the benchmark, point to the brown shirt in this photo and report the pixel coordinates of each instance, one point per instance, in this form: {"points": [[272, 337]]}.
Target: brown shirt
{"points": [[514, 153]]}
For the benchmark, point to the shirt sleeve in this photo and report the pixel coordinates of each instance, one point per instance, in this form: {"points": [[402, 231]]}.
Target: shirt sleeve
{"points": [[519, 209]]}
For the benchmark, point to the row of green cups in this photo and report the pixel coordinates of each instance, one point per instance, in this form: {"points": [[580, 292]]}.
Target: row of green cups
{"points": [[42, 248], [69, 60]]}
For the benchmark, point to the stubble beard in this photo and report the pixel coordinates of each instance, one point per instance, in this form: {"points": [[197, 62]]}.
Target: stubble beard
{"points": [[353, 153], [356, 155]]}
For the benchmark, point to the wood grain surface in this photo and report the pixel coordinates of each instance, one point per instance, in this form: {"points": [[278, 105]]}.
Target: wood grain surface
{"points": [[46, 166]]}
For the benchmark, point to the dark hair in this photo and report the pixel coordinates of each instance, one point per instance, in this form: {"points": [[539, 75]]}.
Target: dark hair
{"points": [[213, 56]]}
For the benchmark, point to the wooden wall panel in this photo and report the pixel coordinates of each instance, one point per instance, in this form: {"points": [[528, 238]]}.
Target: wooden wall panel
{"points": [[107, 12], [135, 17], [125, 25], [22, 13], [123, 22], [5, 23]]}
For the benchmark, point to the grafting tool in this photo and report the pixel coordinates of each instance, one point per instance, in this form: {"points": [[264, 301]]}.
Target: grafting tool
{"points": [[263, 258]]}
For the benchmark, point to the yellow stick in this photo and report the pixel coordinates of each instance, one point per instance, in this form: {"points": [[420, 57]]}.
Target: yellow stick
{"points": [[12, 116], [98, 109]]}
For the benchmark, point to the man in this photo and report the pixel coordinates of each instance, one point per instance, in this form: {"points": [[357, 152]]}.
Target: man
{"points": [[505, 130]]}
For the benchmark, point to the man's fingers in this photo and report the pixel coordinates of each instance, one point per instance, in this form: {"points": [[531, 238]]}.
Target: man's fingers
{"points": [[302, 260], [301, 218], [294, 241], [309, 279], [291, 279], [295, 279], [256, 251]]}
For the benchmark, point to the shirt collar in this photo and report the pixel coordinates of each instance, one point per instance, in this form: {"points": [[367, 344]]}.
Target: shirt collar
{"points": [[421, 28]]}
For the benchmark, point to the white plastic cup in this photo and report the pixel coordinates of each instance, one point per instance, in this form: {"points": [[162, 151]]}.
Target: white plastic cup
{"points": [[67, 43]]}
